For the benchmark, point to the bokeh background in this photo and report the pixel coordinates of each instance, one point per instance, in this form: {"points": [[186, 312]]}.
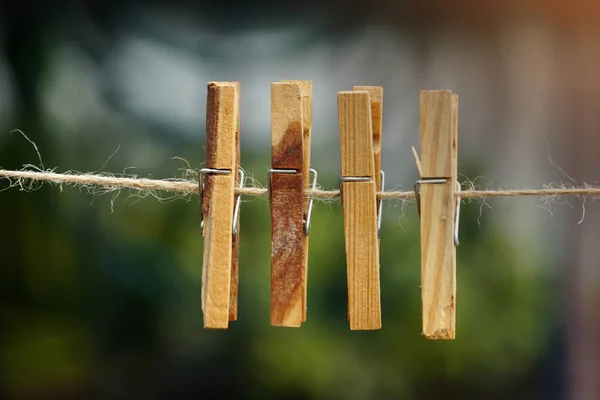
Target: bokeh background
{"points": [[100, 295]]}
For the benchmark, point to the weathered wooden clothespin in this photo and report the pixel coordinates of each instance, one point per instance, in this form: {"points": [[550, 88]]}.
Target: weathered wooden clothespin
{"points": [[358, 187], [306, 91], [439, 210], [290, 211], [220, 205]]}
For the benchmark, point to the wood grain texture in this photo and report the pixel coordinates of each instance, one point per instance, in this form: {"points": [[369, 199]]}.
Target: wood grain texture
{"points": [[454, 171], [376, 94], [362, 255], [306, 90], [216, 269], [222, 121], [438, 261], [287, 207], [235, 244], [286, 126], [222, 110], [356, 138], [287, 267], [439, 119], [436, 138], [360, 211]]}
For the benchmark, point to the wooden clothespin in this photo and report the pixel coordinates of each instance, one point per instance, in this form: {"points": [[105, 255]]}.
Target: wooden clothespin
{"points": [[376, 95], [290, 213], [220, 205], [358, 189], [235, 247], [306, 91], [439, 211]]}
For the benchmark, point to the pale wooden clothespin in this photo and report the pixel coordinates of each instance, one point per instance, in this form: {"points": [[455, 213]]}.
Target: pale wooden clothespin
{"points": [[235, 248], [358, 186], [376, 93], [439, 211], [290, 211], [220, 205]]}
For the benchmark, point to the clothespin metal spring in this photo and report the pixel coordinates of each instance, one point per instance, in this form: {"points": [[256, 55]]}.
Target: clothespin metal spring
{"points": [[438, 181], [313, 186], [367, 179], [236, 212]]}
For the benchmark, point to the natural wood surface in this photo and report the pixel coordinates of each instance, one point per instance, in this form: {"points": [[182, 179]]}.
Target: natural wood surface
{"points": [[438, 272], [222, 111], [287, 210], [438, 251], [356, 139], [454, 167], [222, 120], [360, 211], [216, 271], [306, 90], [235, 244], [362, 254], [376, 93], [286, 126], [287, 268], [436, 138]]}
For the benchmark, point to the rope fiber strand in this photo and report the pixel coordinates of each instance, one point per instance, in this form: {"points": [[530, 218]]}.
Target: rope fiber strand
{"points": [[21, 178]]}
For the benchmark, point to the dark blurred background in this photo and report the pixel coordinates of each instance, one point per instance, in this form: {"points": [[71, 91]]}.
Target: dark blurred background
{"points": [[100, 296]]}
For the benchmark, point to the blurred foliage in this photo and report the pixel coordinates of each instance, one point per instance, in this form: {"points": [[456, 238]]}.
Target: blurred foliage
{"points": [[91, 287], [100, 296]]}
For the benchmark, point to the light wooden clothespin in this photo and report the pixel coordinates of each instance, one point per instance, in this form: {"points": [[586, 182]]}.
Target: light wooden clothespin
{"points": [[376, 94], [220, 205], [290, 212], [439, 210], [358, 187], [235, 248]]}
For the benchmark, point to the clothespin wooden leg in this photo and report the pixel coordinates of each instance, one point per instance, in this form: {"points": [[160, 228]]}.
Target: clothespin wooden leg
{"points": [[438, 211], [235, 248], [306, 92], [359, 201], [376, 94], [217, 182], [287, 206]]}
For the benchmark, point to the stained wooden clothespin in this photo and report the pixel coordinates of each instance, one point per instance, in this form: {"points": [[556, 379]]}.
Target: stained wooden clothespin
{"points": [[358, 187], [290, 211], [220, 205], [306, 91], [439, 210]]}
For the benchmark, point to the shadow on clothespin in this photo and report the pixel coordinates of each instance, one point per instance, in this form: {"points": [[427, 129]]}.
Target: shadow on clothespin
{"points": [[358, 187], [220, 206], [291, 103], [439, 211]]}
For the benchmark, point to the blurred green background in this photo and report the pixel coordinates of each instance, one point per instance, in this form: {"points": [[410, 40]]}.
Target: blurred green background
{"points": [[100, 295]]}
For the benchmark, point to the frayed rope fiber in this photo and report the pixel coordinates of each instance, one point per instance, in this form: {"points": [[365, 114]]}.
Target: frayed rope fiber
{"points": [[20, 178]]}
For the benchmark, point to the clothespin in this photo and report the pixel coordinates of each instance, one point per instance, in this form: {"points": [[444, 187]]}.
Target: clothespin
{"points": [[358, 187], [235, 246], [220, 206], [290, 213], [376, 95], [439, 210], [306, 91]]}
